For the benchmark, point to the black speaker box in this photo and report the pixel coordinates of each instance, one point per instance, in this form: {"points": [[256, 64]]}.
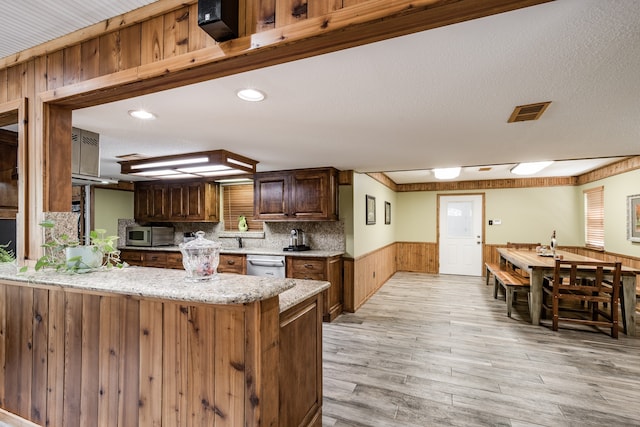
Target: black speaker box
{"points": [[219, 18]]}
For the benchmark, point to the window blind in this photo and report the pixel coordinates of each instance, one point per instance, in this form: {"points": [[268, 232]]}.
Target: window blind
{"points": [[594, 217], [238, 200]]}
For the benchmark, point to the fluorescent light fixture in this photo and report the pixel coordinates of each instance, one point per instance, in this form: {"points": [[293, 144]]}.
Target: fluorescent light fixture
{"points": [[251, 95], [447, 173], [190, 165], [142, 114], [234, 180], [529, 168]]}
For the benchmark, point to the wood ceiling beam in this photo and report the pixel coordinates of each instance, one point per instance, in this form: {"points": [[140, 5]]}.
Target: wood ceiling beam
{"points": [[364, 23]]}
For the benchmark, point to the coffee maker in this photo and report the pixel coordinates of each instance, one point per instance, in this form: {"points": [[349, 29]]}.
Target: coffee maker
{"points": [[297, 241]]}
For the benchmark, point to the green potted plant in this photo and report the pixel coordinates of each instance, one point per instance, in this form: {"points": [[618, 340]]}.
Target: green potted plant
{"points": [[65, 254]]}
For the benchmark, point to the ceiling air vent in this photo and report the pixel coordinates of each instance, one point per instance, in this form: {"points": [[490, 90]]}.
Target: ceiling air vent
{"points": [[523, 113]]}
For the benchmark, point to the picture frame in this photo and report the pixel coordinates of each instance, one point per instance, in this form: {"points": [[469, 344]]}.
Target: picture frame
{"points": [[387, 213], [370, 209], [633, 218]]}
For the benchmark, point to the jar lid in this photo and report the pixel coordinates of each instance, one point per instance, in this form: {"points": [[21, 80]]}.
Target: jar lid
{"points": [[200, 243]]}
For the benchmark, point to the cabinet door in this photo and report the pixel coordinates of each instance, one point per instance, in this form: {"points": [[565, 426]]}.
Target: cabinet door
{"points": [[314, 195], [176, 209], [158, 203], [131, 257], [333, 297], [142, 202], [193, 201], [271, 196], [150, 202], [232, 263]]}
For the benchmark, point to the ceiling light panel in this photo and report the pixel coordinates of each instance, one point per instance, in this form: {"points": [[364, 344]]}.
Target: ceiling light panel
{"points": [[530, 168]]}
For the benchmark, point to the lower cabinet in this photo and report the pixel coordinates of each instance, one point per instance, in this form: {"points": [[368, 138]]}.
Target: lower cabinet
{"points": [[329, 269], [232, 263], [301, 355], [160, 259]]}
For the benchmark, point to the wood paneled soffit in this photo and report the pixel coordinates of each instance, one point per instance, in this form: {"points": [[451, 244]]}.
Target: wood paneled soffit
{"points": [[363, 23], [118, 22]]}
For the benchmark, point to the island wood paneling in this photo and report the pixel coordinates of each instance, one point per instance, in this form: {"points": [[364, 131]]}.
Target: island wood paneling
{"points": [[78, 359]]}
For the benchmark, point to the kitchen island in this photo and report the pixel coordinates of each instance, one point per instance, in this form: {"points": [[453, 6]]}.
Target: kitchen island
{"points": [[143, 347]]}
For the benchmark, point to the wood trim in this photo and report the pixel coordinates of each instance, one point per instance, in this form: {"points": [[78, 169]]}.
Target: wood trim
{"points": [[617, 168], [420, 257], [384, 180], [345, 177], [492, 184], [371, 271], [348, 282]]}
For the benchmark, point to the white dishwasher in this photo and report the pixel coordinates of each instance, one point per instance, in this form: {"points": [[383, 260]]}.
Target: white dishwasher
{"points": [[266, 266]]}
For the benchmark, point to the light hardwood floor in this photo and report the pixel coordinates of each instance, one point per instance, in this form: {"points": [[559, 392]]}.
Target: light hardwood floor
{"points": [[431, 350]]}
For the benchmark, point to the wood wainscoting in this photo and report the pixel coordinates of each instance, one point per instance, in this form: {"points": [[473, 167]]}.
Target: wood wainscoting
{"points": [[370, 272], [419, 257]]}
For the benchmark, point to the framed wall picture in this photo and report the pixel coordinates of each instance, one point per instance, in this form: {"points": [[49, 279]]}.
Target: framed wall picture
{"points": [[633, 218], [387, 213], [371, 209]]}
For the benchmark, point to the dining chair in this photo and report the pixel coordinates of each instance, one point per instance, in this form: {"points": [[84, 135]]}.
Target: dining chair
{"points": [[585, 293]]}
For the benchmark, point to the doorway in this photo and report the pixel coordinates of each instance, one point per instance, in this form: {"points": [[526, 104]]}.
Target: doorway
{"points": [[461, 234]]}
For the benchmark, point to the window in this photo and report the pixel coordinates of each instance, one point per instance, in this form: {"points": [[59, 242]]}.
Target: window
{"points": [[594, 218], [238, 200]]}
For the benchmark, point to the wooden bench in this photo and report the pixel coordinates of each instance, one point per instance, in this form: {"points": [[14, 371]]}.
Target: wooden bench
{"points": [[12, 420], [509, 280]]}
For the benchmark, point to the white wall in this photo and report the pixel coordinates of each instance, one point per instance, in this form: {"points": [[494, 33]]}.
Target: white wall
{"points": [[367, 238], [109, 205]]}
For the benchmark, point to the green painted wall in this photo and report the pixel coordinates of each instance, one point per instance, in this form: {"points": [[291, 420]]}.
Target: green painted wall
{"points": [[109, 206], [526, 214]]}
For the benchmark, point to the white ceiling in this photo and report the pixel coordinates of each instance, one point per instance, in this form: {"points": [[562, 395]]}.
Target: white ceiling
{"points": [[438, 98]]}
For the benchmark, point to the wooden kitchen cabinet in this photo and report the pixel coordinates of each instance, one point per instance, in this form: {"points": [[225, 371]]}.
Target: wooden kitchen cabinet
{"points": [[232, 263], [329, 269], [145, 258], [194, 201], [150, 202], [296, 195]]}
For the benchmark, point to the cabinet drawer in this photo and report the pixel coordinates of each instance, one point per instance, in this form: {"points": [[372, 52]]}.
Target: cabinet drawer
{"points": [[174, 260], [155, 259], [131, 257], [308, 268], [232, 264]]}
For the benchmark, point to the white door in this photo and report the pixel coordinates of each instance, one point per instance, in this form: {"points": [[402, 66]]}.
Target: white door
{"points": [[461, 235]]}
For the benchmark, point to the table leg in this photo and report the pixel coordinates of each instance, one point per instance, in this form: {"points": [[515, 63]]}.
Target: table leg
{"points": [[629, 289], [535, 301]]}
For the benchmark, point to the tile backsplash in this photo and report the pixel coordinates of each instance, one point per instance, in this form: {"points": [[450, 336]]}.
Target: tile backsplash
{"points": [[320, 235]]}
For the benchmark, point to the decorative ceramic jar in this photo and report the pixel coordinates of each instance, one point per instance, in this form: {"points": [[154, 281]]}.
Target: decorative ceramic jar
{"points": [[200, 258]]}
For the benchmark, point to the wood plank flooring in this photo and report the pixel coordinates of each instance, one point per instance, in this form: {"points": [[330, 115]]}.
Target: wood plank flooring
{"points": [[431, 350]]}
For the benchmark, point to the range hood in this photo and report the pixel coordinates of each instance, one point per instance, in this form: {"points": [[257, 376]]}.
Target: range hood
{"points": [[85, 158]]}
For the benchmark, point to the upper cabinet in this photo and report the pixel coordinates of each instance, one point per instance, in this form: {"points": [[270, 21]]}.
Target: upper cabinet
{"points": [[194, 201], [296, 195]]}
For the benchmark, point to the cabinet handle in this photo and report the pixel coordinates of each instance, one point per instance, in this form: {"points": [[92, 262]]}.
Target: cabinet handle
{"points": [[231, 262], [308, 265], [154, 258]]}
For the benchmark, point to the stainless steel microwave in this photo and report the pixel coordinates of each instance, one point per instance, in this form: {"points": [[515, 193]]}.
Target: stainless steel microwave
{"points": [[149, 236]]}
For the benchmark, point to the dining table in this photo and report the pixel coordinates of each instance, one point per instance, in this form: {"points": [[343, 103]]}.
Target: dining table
{"points": [[538, 265]]}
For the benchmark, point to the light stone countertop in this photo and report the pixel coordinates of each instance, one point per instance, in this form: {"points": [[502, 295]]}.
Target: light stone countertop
{"points": [[246, 251], [147, 282]]}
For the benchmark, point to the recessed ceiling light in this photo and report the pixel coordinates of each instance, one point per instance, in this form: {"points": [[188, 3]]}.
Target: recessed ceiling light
{"points": [[142, 114], [252, 95], [529, 168], [447, 173]]}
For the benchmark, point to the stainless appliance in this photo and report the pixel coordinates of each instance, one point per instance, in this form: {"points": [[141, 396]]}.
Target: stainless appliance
{"points": [[266, 266], [149, 236], [297, 241]]}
